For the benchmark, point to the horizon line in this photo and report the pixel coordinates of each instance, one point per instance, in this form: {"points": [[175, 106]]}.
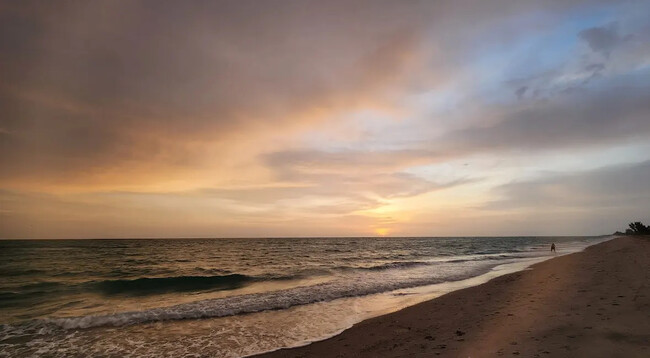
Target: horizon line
{"points": [[298, 237]]}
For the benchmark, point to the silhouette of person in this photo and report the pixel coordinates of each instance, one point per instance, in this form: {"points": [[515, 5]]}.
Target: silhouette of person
{"points": [[553, 247]]}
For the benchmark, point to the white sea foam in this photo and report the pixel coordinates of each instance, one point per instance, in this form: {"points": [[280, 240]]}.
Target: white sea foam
{"points": [[357, 284]]}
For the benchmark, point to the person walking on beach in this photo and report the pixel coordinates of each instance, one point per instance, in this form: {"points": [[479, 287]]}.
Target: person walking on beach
{"points": [[553, 247]]}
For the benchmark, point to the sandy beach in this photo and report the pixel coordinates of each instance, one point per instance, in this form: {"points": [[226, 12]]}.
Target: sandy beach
{"points": [[595, 303]]}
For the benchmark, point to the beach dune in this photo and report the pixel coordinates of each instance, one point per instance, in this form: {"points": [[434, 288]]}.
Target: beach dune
{"points": [[595, 303]]}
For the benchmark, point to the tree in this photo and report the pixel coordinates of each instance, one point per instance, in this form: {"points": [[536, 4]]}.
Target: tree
{"points": [[637, 228]]}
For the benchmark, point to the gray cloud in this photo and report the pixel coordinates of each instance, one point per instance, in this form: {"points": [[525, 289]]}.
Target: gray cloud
{"points": [[595, 67], [521, 91], [608, 53], [619, 190], [603, 39], [89, 85], [592, 202], [614, 110], [591, 118], [585, 101]]}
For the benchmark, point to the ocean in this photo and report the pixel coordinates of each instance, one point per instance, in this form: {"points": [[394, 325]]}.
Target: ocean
{"points": [[231, 297]]}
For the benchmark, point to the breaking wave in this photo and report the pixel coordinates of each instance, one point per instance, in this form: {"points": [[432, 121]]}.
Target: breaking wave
{"points": [[146, 285]]}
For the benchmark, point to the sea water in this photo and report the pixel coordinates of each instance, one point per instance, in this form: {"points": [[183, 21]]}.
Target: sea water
{"points": [[231, 297]]}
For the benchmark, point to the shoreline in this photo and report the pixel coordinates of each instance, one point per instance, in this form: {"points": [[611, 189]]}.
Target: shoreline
{"points": [[435, 291], [511, 315]]}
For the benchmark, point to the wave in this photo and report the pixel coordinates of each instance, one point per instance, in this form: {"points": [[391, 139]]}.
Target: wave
{"points": [[157, 285], [265, 301], [389, 273], [413, 264], [397, 265], [18, 272], [142, 286]]}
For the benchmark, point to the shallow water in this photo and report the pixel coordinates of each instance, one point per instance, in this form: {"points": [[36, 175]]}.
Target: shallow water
{"points": [[231, 297]]}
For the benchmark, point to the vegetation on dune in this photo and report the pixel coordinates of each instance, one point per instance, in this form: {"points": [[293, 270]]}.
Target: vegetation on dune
{"points": [[637, 228]]}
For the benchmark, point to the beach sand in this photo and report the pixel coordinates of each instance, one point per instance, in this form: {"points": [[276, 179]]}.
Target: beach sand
{"points": [[595, 303]]}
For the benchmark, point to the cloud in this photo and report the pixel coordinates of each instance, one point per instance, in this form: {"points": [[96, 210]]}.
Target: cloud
{"points": [[583, 101], [593, 118], [591, 202], [90, 89], [291, 163], [340, 193], [521, 91], [595, 67], [614, 114], [603, 39], [209, 212], [607, 54], [197, 110], [619, 189]]}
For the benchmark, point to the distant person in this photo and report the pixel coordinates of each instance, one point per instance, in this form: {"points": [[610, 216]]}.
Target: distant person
{"points": [[553, 247]]}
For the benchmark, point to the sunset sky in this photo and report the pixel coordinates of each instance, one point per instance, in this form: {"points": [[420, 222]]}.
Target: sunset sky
{"points": [[323, 118]]}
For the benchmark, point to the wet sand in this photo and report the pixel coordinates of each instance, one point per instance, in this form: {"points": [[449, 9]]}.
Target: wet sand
{"points": [[595, 303]]}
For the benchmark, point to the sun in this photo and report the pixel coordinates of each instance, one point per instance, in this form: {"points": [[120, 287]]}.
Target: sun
{"points": [[382, 231]]}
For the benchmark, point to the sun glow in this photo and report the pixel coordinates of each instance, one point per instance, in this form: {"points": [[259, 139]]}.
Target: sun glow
{"points": [[382, 231]]}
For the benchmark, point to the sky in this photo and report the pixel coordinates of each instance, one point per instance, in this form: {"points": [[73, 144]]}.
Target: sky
{"points": [[128, 119]]}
